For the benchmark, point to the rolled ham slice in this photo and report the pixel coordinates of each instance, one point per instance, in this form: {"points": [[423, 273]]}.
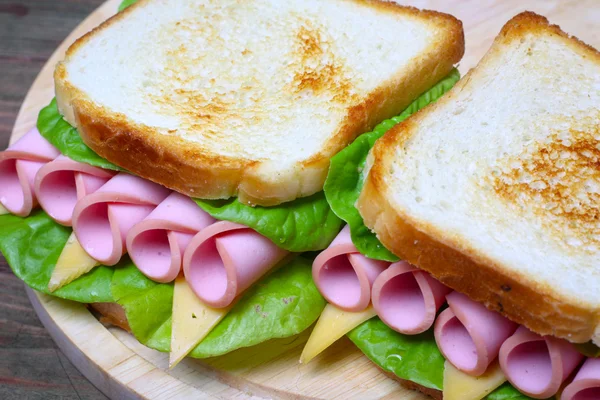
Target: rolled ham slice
{"points": [[586, 385], [469, 335], [407, 299], [537, 365], [344, 276], [156, 245], [224, 259], [60, 183], [102, 219], [19, 165]]}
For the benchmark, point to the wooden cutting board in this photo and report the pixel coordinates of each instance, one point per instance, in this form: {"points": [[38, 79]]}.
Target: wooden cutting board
{"points": [[122, 368]]}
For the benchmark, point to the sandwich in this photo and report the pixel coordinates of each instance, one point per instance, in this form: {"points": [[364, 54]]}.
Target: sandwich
{"points": [[469, 265], [224, 193], [175, 184]]}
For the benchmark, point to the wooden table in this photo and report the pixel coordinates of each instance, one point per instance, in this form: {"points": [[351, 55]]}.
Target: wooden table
{"points": [[31, 366]]}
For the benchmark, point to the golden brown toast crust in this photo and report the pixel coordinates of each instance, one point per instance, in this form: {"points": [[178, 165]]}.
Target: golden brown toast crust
{"points": [[111, 313], [433, 393], [454, 262], [179, 165]]}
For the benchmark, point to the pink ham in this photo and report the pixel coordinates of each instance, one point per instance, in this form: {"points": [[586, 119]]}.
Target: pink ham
{"points": [[586, 385], [60, 183], [102, 219], [224, 259], [537, 365], [18, 166], [469, 335], [344, 276], [407, 299], [156, 245]]}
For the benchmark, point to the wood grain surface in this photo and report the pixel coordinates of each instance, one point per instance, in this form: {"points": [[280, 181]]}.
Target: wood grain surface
{"points": [[31, 365]]}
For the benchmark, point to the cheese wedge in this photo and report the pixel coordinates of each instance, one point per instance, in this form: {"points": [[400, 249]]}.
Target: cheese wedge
{"points": [[332, 325], [3, 210], [460, 386], [192, 321], [72, 263]]}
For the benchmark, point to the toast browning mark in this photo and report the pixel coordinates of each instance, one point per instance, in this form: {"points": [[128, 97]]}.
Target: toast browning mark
{"points": [[213, 109], [559, 180], [318, 68]]}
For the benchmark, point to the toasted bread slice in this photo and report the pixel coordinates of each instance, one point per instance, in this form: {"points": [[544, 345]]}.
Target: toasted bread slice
{"points": [[495, 189], [221, 98]]}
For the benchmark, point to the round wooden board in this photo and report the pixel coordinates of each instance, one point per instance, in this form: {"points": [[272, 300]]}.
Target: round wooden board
{"points": [[122, 368]]}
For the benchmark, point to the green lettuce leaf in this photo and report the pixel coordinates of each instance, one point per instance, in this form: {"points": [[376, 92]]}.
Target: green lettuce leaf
{"points": [[65, 138], [31, 247], [148, 305], [416, 358], [282, 304], [305, 224], [126, 3], [345, 178], [507, 392], [588, 349]]}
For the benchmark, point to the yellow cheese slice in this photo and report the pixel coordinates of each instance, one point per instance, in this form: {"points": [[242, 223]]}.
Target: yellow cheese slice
{"points": [[72, 263], [192, 321], [460, 386], [3, 210], [332, 325]]}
